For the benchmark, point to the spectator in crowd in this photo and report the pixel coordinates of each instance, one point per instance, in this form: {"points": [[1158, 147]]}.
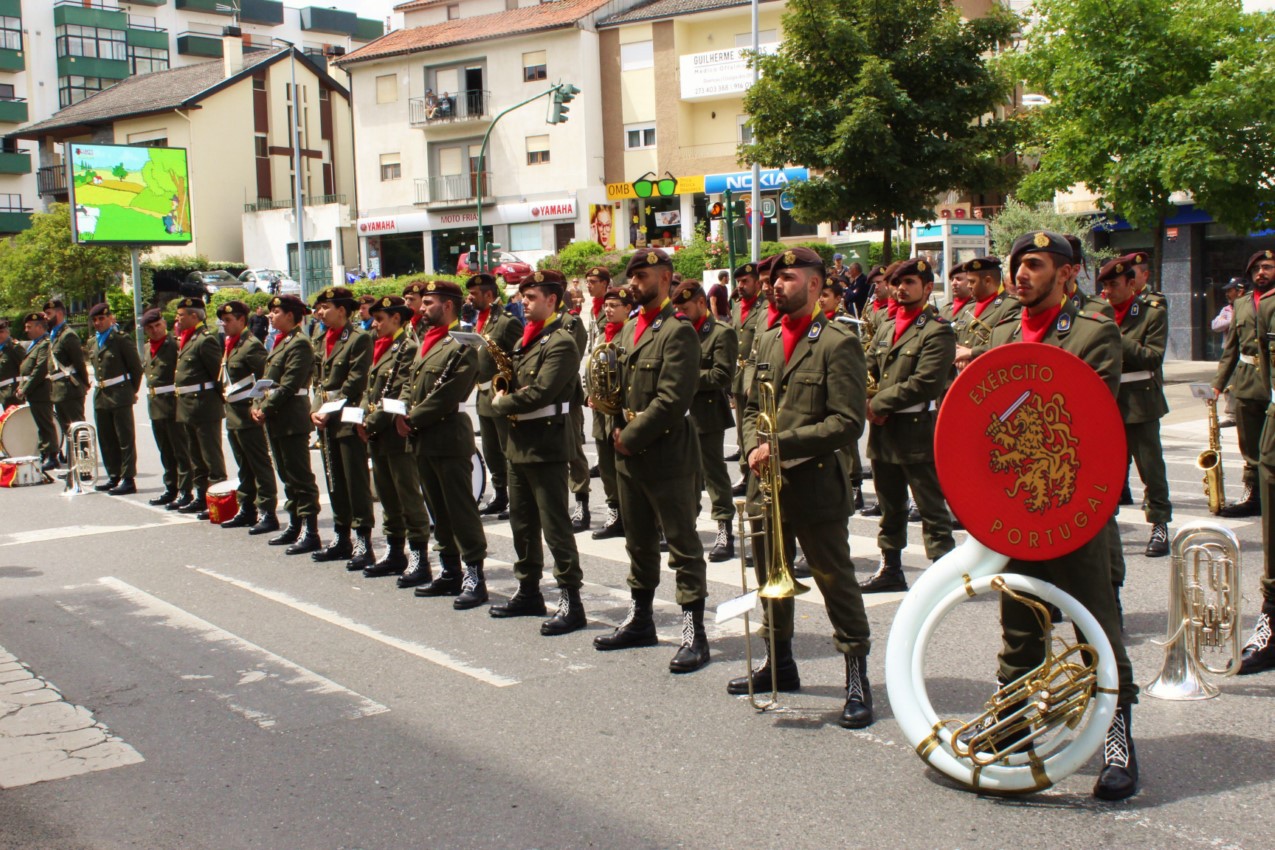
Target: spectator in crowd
{"points": [[1231, 290], [719, 297], [259, 324], [857, 289]]}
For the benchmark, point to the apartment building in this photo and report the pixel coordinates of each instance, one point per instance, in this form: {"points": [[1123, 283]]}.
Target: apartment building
{"points": [[55, 53]]}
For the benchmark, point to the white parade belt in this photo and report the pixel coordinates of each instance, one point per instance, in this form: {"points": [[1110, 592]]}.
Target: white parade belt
{"points": [[1130, 377], [1250, 359], [110, 382], [919, 408], [541, 413], [8, 381], [194, 388], [165, 390]]}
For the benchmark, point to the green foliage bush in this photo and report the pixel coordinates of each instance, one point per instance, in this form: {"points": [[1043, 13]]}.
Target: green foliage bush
{"points": [[578, 257]]}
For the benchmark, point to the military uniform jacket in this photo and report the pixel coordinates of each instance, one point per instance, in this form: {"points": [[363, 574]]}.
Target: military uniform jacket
{"points": [[290, 364], [1143, 337], [199, 365], [718, 352], [117, 358], [1240, 362], [244, 364], [911, 375], [658, 377], [11, 357], [820, 397], [342, 374], [505, 331], [160, 369], [1265, 342], [439, 427], [1094, 339], [1092, 304], [66, 354], [387, 380], [580, 334], [746, 331], [546, 380], [35, 373]]}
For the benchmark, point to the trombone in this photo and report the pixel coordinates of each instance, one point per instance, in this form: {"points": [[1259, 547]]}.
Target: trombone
{"points": [[778, 578]]}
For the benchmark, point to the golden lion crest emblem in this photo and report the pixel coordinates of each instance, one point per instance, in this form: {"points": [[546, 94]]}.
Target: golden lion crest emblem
{"points": [[1034, 442], [1041, 240]]}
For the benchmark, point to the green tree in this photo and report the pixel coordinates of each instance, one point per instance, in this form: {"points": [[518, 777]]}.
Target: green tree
{"points": [[1017, 218], [1149, 98], [167, 187], [42, 261], [119, 171], [890, 103]]}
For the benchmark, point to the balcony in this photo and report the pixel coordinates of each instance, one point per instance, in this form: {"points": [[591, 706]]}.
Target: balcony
{"points": [[12, 60], [452, 190], [146, 2], [11, 8], [79, 13], [459, 108], [215, 7], [13, 110], [266, 204], [261, 12], [199, 44], [334, 21], [146, 36], [51, 180], [14, 218], [91, 66], [368, 29], [15, 162]]}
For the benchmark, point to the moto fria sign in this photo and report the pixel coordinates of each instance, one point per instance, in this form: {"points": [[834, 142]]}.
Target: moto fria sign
{"points": [[718, 73]]}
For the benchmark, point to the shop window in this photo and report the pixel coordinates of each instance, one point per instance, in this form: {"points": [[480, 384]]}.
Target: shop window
{"points": [[387, 88], [526, 237], [534, 66], [745, 136], [639, 136], [537, 150], [637, 55]]}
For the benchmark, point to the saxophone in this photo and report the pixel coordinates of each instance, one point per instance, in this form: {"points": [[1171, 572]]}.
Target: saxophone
{"points": [[1210, 461], [503, 380]]}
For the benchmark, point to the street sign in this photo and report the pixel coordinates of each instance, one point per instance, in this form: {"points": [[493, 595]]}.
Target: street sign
{"points": [[785, 200], [768, 208]]}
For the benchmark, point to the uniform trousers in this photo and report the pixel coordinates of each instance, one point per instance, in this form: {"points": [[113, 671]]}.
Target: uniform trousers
{"points": [[203, 442], [714, 475], [69, 410], [174, 457], [606, 467], [579, 464], [1250, 416], [398, 485], [1143, 440], [1266, 470], [494, 431], [117, 438], [291, 453], [668, 503], [892, 481], [349, 485], [46, 427], [256, 472], [449, 494], [538, 506]]}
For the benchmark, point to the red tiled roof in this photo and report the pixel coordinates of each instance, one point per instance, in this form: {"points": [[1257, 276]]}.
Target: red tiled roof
{"points": [[545, 16]]}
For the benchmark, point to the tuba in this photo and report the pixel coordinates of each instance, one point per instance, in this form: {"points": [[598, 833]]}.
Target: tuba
{"points": [[604, 381], [1210, 461], [81, 455], [1204, 613]]}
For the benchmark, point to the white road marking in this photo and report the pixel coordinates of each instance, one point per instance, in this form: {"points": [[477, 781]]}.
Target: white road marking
{"points": [[68, 532], [420, 650]]}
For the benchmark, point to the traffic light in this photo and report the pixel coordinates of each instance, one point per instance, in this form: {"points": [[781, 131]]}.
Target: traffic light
{"points": [[716, 211], [558, 109], [493, 256]]}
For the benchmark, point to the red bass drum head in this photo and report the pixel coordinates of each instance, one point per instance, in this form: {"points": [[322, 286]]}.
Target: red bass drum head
{"points": [[1030, 451]]}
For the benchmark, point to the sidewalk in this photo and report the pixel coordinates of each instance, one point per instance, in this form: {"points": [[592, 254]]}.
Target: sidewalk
{"points": [[1189, 371]]}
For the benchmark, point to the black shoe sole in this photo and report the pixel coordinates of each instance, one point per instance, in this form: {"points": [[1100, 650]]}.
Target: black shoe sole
{"points": [[553, 631], [461, 604], [862, 723], [500, 612], [599, 643], [608, 533]]}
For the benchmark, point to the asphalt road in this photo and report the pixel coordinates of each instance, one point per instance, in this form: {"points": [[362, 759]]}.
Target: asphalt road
{"points": [[232, 697]]}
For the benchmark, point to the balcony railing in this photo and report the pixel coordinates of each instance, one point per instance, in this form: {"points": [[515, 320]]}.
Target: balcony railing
{"points": [[452, 189], [470, 105], [265, 204], [51, 180]]}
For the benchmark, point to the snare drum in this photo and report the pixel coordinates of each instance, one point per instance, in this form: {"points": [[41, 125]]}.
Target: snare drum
{"points": [[18, 434], [22, 472], [223, 501], [479, 477]]}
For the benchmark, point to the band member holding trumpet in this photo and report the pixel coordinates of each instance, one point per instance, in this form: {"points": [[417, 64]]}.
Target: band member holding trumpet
{"points": [[1259, 652], [817, 370], [504, 331], [11, 354], [1041, 265], [243, 363], [117, 376], [657, 459], [546, 379]]}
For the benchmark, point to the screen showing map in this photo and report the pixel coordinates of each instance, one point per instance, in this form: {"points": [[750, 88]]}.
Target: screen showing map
{"points": [[122, 194]]}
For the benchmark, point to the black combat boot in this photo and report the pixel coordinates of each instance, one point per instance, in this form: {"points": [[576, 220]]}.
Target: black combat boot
{"points": [[580, 517], [339, 549], [1158, 545], [473, 588], [394, 562], [801, 567], [361, 554], [1259, 652], [740, 487], [195, 505], [637, 628], [569, 617], [245, 517], [857, 713], [499, 502], [693, 653], [448, 581], [1126, 495], [268, 523], [309, 541], [614, 526], [108, 484], [1119, 777], [724, 546], [872, 510], [858, 499], [417, 572], [527, 602], [1250, 505], [889, 576], [785, 670], [126, 487], [289, 535], [165, 498], [182, 501]]}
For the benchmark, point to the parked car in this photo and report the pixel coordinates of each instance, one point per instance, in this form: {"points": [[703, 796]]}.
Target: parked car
{"points": [[272, 281], [208, 282], [512, 268]]}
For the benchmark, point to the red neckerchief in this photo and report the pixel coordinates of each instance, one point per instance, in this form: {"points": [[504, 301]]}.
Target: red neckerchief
{"points": [[958, 304], [184, 337], [231, 342], [745, 307], [330, 336], [700, 324], [156, 344], [1035, 327], [380, 346], [416, 320], [432, 337], [772, 314], [644, 320], [597, 306], [531, 331], [880, 303], [792, 329], [481, 321], [831, 314], [891, 307], [903, 320], [984, 304], [1122, 311], [612, 329]]}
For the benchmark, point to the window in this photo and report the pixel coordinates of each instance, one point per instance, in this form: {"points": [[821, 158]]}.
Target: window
{"points": [[144, 60], [73, 89], [533, 66], [7, 91], [91, 43], [391, 167], [639, 136], [453, 11], [537, 150], [387, 88], [745, 39], [258, 83], [526, 237], [261, 145], [10, 33], [637, 55], [745, 130]]}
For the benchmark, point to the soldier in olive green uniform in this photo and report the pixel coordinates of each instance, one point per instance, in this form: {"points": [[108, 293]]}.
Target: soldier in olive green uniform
{"points": [[911, 359], [343, 357], [117, 376], [578, 465], [243, 364], [617, 304], [200, 408], [284, 409], [504, 331], [1040, 265], [11, 355], [398, 482], [657, 459], [160, 366], [748, 318], [816, 369], [987, 303], [546, 380], [832, 303], [1144, 334], [1086, 302], [66, 367], [710, 409], [1239, 367], [35, 389], [443, 376], [1140, 263]]}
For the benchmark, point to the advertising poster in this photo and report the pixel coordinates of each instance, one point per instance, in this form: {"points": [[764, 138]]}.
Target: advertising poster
{"points": [[123, 194]]}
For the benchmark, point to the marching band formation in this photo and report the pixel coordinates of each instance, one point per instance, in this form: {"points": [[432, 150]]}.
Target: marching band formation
{"points": [[794, 373]]}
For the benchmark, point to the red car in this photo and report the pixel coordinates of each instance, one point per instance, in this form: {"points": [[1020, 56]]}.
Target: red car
{"points": [[512, 269]]}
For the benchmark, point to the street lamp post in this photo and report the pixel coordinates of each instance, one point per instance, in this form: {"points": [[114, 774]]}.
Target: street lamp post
{"points": [[298, 207]]}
